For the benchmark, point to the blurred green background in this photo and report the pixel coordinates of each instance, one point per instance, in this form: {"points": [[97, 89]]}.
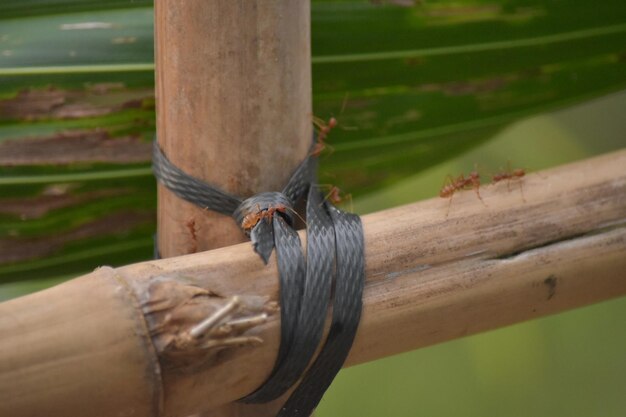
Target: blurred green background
{"points": [[421, 89]]}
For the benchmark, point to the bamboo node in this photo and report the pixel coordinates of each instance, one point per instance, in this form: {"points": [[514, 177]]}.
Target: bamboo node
{"points": [[190, 325]]}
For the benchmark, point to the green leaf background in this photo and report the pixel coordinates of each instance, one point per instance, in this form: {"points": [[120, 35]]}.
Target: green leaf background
{"points": [[421, 89]]}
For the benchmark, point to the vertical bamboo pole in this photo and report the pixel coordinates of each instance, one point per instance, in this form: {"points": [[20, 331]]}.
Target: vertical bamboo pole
{"points": [[233, 82]]}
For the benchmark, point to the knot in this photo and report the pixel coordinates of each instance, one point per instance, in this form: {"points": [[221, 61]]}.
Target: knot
{"points": [[263, 206]]}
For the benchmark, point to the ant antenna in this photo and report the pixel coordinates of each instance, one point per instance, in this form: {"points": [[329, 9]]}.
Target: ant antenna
{"points": [[299, 216]]}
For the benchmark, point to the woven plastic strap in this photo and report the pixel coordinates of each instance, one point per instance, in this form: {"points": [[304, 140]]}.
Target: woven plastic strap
{"points": [[334, 249]]}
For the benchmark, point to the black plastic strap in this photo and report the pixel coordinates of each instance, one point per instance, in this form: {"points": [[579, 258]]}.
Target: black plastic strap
{"points": [[334, 249], [190, 188], [315, 299], [347, 308]]}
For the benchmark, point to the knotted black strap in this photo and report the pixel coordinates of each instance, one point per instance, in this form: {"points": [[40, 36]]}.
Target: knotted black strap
{"points": [[334, 248]]}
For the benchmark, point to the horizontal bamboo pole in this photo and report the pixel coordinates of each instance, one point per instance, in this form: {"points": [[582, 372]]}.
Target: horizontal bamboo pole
{"points": [[120, 341]]}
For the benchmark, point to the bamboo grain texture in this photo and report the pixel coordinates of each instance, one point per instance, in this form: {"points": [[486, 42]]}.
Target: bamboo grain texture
{"points": [[233, 85], [430, 278]]}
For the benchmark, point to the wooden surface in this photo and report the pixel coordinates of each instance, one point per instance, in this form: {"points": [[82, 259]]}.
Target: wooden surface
{"points": [[233, 82], [430, 278]]}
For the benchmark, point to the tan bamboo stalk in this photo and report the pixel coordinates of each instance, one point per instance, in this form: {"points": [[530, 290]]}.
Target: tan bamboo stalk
{"points": [[233, 82], [234, 109], [120, 341]]}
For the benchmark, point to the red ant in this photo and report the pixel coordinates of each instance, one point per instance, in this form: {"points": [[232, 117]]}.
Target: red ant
{"points": [[323, 131], [510, 175], [324, 128], [335, 195], [251, 219], [451, 186]]}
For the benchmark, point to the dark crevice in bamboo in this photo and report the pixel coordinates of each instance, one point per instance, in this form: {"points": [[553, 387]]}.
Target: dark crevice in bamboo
{"points": [[563, 240]]}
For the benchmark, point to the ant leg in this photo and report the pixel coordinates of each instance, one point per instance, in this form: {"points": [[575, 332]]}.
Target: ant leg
{"points": [[329, 187], [449, 179], [319, 122], [476, 187], [509, 172], [322, 186], [521, 189], [349, 197], [479, 197], [330, 149], [326, 197], [345, 102], [449, 204], [318, 148], [296, 213]]}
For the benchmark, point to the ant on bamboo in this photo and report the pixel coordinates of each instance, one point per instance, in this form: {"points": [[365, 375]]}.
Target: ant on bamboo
{"points": [[509, 175], [452, 185]]}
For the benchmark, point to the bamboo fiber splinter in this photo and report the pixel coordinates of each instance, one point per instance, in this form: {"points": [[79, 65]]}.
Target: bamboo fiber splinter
{"points": [[181, 335]]}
